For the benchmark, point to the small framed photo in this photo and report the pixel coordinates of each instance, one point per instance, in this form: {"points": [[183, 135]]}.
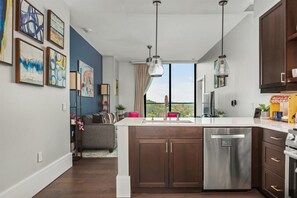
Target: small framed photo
{"points": [[55, 29], [29, 63], [29, 20], [56, 68]]}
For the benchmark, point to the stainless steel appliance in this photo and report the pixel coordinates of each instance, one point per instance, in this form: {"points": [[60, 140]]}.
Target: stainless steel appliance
{"points": [[227, 158], [291, 164]]}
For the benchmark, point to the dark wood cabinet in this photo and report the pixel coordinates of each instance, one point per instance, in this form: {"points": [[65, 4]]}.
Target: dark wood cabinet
{"points": [[278, 48], [272, 48], [273, 163], [165, 158], [152, 163], [185, 162]]}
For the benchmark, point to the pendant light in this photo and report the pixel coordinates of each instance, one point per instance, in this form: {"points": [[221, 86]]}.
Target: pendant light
{"points": [[222, 68], [156, 69], [149, 59]]}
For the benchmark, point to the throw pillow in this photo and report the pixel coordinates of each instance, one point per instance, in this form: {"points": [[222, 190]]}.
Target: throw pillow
{"points": [[87, 119], [110, 118], [97, 118]]}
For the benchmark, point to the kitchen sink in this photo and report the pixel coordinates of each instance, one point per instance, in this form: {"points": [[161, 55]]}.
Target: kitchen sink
{"points": [[166, 121]]}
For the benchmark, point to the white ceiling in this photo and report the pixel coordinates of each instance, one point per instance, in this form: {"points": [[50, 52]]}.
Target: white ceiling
{"points": [[123, 28]]}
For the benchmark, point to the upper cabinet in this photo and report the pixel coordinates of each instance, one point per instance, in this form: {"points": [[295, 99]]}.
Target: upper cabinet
{"points": [[278, 47]]}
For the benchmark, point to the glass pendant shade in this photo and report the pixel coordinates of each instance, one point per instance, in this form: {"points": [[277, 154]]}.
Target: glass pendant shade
{"points": [[222, 67], [156, 68]]}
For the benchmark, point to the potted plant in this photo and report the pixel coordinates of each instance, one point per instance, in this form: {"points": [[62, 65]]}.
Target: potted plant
{"points": [[220, 113], [265, 114], [120, 108]]}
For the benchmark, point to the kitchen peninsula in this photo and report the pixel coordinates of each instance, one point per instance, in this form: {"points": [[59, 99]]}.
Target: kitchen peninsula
{"points": [[191, 129], [132, 132]]}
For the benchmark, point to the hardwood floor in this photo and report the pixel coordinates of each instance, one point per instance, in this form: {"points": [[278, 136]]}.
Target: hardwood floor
{"points": [[96, 178]]}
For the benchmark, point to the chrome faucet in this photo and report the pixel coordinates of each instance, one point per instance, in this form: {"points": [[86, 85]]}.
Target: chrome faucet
{"points": [[165, 107]]}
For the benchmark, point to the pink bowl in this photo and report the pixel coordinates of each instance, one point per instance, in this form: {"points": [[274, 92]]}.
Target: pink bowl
{"points": [[134, 114], [172, 114]]}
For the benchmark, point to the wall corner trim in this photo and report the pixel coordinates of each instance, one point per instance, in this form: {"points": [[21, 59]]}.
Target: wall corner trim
{"points": [[33, 184]]}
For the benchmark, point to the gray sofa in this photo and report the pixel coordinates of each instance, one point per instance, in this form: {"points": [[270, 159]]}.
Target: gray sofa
{"points": [[99, 132]]}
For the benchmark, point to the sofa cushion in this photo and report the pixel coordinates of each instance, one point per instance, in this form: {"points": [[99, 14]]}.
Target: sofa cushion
{"points": [[97, 118], [87, 119]]}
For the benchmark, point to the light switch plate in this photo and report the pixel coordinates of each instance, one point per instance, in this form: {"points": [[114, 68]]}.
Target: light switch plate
{"points": [[64, 107], [39, 157]]}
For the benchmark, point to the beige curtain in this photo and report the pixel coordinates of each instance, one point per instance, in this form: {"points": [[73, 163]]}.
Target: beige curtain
{"points": [[142, 82]]}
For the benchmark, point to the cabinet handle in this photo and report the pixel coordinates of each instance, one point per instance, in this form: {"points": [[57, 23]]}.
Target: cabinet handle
{"points": [[283, 79], [276, 138], [276, 189], [170, 147], [275, 160], [166, 147]]}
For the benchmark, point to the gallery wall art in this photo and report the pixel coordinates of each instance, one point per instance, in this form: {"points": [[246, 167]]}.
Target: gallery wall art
{"points": [[87, 79], [6, 31], [56, 68], [55, 30], [29, 63], [30, 21]]}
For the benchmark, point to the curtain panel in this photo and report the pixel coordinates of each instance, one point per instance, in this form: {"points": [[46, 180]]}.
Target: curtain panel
{"points": [[142, 83]]}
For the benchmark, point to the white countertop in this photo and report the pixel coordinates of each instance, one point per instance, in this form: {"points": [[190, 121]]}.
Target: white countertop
{"points": [[212, 122]]}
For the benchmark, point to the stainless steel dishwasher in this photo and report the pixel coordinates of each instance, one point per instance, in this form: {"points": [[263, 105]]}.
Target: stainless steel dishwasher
{"points": [[227, 158]]}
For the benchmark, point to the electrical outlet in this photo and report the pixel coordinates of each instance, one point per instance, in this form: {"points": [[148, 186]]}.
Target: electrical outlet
{"points": [[39, 157]]}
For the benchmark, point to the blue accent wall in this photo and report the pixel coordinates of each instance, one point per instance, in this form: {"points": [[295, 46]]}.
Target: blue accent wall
{"points": [[80, 49]]}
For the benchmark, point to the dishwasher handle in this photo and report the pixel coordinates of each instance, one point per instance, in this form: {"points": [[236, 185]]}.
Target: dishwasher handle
{"points": [[228, 136]]}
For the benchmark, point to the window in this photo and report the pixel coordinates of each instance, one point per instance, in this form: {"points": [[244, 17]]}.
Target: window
{"points": [[178, 83]]}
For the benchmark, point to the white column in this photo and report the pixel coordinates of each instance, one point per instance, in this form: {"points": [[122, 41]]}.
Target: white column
{"points": [[123, 186]]}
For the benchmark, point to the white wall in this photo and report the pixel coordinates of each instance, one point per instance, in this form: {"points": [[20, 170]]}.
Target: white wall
{"points": [[31, 118], [241, 45], [127, 85], [110, 73]]}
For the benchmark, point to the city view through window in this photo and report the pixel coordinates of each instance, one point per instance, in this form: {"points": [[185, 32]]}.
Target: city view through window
{"points": [[178, 84]]}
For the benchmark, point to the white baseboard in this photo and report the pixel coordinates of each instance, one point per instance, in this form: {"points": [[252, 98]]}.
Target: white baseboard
{"points": [[31, 185], [123, 186]]}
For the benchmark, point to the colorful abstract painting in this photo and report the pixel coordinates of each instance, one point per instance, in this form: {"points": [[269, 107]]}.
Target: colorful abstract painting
{"points": [[29, 63], [55, 29], [56, 68], [87, 79], [6, 31], [30, 21]]}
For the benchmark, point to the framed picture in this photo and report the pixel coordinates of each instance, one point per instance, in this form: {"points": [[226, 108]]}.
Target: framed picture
{"points": [[56, 68], [29, 63], [55, 29], [87, 79], [6, 31], [30, 21]]}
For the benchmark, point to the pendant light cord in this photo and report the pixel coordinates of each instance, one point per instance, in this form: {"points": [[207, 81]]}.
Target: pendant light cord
{"points": [[222, 50], [156, 50]]}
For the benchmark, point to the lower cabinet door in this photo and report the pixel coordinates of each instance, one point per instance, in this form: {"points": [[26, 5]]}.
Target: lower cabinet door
{"points": [[185, 162], [152, 163]]}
